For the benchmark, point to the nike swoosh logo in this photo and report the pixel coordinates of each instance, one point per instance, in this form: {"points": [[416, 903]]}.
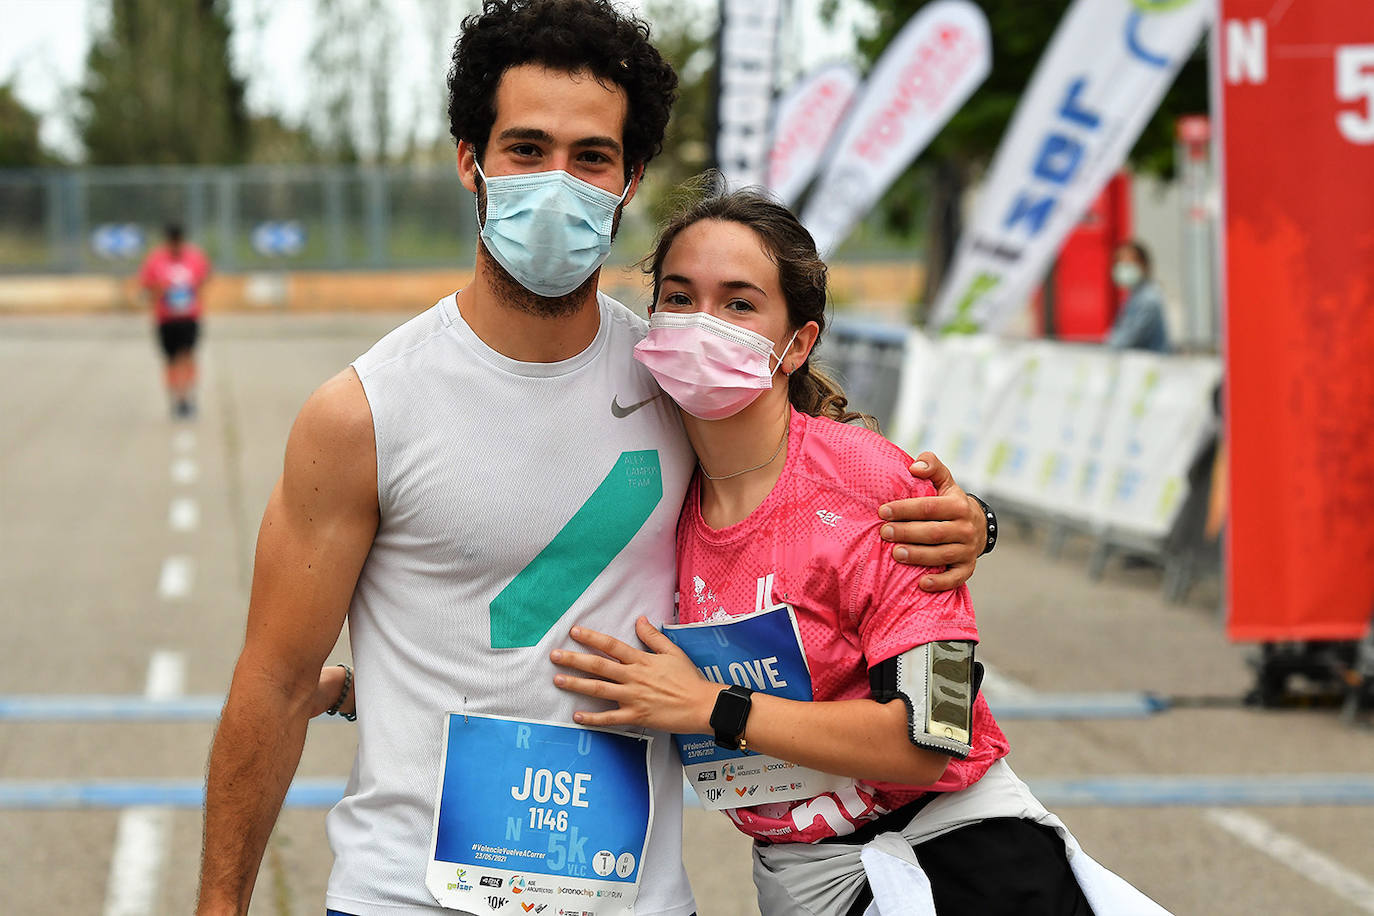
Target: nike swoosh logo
{"points": [[621, 413]]}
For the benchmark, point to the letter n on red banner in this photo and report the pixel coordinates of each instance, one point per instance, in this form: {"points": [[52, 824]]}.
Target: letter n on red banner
{"points": [[1296, 86]]}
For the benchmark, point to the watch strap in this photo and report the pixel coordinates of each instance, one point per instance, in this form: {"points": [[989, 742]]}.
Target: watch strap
{"points": [[991, 518]]}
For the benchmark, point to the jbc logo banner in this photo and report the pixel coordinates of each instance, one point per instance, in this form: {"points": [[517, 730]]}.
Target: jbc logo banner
{"points": [[1082, 112]]}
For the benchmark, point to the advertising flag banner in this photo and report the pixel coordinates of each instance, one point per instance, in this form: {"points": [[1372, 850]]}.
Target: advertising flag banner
{"points": [[1295, 86], [806, 120], [1100, 81], [925, 75], [748, 55]]}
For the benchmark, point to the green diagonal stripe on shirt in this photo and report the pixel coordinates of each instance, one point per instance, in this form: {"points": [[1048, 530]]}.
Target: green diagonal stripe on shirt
{"points": [[545, 589]]}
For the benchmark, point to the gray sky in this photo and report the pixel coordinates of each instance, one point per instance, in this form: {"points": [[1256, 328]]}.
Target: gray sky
{"points": [[43, 48]]}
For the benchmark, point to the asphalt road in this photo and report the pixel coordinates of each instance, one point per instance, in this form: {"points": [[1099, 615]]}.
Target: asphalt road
{"points": [[126, 545]]}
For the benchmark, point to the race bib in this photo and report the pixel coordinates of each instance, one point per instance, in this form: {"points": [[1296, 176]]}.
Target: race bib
{"points": [[761, 651], [533, 817], [180, 298]]}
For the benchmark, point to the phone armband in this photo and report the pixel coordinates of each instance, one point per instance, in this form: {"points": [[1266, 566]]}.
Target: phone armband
{"points": [[938, 682]]}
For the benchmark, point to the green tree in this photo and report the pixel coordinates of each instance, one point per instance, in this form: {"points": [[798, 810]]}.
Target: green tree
{"points": [[159, 88], [686, 40], [19, 146], [277, 142], [930, 191]]}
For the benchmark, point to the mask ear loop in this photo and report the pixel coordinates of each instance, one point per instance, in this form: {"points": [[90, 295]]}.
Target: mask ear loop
{"points": [[785, 349], [476, 198]]}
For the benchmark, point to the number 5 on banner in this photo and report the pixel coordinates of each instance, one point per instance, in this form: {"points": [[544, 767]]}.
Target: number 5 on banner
{"points": [[1354, 83]]}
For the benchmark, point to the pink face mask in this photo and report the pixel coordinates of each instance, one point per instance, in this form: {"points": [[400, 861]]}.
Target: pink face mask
{"points": [[710, 367]]}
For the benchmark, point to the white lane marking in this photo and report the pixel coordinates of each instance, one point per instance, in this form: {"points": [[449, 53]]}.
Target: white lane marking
{"points": [[184, 440], [175, 580], [141, 838], [1304, 860], [166, 675], [999, 686], [184, 471], [183, 514]]}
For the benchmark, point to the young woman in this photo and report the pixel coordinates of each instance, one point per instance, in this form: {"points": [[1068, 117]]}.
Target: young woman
{"points": [[778, 520]]}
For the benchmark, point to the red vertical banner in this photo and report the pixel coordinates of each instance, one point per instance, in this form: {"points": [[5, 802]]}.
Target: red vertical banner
{"points": [[1085, 300], [1295, 88]]}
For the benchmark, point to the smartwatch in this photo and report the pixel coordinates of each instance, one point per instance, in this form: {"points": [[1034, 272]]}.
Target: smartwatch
{"points": [[991, 518], [730, 714]]}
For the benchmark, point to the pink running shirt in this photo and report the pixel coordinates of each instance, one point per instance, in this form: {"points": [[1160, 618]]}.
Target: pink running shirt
{"points": [[813, 544], [176, 282]]}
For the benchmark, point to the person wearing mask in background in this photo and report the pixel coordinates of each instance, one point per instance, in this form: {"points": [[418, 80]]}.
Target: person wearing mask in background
{"points": [[173, 275], [1140, 323]]}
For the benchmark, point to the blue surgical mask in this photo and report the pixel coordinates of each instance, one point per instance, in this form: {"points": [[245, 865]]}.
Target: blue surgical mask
{"points": [[549, 230]]}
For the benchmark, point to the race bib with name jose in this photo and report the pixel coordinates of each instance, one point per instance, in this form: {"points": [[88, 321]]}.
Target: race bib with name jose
{"points": [[534, 817]]}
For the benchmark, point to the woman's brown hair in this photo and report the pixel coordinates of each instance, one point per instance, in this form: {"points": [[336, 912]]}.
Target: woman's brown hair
{"points": [[801, 274]]}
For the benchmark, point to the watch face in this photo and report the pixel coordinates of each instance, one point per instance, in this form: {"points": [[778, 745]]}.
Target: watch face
{"points": [[729, 716]]}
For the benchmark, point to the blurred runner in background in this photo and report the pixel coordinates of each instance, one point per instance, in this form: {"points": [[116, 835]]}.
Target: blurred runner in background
{"points": [[173, 274]]}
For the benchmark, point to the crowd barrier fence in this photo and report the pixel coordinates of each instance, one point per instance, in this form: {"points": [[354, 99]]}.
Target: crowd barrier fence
{"points": [[1075, 436]]}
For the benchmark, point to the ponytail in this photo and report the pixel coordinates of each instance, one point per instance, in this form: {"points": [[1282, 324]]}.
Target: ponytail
{"points": [[815, 394]]}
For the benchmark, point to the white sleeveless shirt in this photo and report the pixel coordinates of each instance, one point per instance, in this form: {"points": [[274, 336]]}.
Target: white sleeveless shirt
{"points": [[498, 481]]}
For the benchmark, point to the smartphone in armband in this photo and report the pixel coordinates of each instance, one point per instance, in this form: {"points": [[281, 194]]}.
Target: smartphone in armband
{"points": [[949, 693]]}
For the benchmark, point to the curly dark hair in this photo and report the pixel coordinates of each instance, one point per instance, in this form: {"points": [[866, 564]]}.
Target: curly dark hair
{"points": [[569, 35]]}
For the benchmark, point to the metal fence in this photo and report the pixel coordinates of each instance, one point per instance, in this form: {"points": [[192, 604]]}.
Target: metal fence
{"points": [[866, 359], [102, 220]]}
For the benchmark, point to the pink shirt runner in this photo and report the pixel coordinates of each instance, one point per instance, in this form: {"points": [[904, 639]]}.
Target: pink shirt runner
{"points": [[175, 281], [814, 544]]}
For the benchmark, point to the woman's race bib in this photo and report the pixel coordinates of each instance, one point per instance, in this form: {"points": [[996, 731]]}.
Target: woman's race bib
{"points": [[533, 817], [762, 651]]}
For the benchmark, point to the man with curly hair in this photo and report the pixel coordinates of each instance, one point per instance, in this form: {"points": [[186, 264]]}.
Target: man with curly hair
{"points": [[489, 474]]}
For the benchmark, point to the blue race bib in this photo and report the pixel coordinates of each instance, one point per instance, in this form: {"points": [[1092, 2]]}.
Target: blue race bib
{"points": [[180, 297], [539, 813], [763, 652]]}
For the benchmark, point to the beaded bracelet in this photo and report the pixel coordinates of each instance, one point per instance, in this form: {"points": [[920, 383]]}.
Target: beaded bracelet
{"points": [[343, 694]]}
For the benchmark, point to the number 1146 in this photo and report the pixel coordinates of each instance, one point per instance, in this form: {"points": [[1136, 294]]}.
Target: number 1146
{"points": [[546, 819]]}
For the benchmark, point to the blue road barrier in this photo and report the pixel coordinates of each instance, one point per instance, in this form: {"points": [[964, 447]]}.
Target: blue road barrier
{"points": [[164, 793], [133, 708], [1078, 706], [1150, 791], [109, 708], [1105, 791]]}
